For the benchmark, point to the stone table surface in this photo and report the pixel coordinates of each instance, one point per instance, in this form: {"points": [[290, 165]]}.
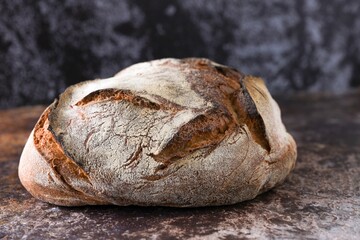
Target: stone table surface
{"points": [[319, 200]]}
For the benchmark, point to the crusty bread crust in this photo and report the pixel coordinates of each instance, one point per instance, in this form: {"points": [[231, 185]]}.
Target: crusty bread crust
{"points": [[168, 132]]}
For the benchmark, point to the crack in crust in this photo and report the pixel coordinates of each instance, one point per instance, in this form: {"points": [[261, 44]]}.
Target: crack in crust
{"points": [[227, 87], [126, 95], [252, 118], [201, 132], [51, 151], [56, 157], [134, 158]]}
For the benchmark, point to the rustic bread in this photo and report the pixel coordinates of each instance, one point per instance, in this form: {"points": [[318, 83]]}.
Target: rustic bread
{"points": [[168, 132]]}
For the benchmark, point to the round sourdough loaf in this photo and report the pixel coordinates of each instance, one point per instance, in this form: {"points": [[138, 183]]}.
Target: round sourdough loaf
{"points": [[169, 132]]}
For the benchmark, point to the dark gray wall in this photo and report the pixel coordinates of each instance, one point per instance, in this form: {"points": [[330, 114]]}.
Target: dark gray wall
{"points": [[296, 45]]}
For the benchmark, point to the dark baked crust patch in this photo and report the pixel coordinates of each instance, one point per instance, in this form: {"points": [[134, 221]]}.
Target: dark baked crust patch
{"points": [[225, 87]]}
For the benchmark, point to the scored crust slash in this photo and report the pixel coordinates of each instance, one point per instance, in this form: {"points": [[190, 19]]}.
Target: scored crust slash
{"points": [[169, 132]]}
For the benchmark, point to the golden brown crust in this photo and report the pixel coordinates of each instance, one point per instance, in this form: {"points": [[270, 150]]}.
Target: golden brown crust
{"points": [[62, 167], [52, 152], [226, 86]]}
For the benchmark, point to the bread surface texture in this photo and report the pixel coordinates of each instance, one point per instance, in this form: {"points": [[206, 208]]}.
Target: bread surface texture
{"points": [[169, 132]]}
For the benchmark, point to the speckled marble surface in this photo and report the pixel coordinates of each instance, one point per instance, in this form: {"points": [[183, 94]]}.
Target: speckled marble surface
{"points": [[319, 200]]}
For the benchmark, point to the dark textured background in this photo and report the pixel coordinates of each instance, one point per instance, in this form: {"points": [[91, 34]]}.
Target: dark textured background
{"points": [[296, 45]]}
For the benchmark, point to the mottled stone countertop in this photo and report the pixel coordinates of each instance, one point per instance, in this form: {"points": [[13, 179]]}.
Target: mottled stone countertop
{"points": [[319, 200]]}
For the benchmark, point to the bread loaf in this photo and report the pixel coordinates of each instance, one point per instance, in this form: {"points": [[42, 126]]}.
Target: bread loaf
{"points": [[168, 132]]}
